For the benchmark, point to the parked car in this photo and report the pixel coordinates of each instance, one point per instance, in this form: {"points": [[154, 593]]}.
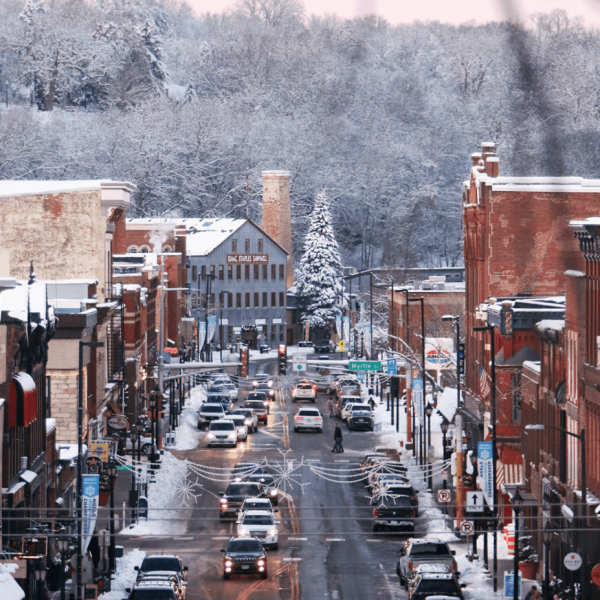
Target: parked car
{"points": [[161, 562], [308, 418], [305, 390], [222, 433], [394, 512], [251, 419], [420, 551], [259, 408], [426, 585], [360, 419], [260, 524], [232, 499], [350, 406], [324, 347], [209, 413], [305, 344], [240, 426], [244, 556], [145, 442]]}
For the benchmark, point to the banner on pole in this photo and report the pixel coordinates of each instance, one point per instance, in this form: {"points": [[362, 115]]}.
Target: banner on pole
{"points": [[338, 325], [90, 497], [212, 326], [367, 332], [347, 330], [418, 397], [201, 333], [485, 467]]}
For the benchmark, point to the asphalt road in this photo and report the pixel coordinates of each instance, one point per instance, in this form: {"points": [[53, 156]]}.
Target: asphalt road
{"points": [[327, 548]]}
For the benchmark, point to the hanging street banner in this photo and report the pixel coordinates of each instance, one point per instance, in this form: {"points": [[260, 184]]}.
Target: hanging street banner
{"points": [[419, 397], [347, 329], [367, 333], [485, 464], [338, 325], [90, 498], [212, 326], [201, 333]]}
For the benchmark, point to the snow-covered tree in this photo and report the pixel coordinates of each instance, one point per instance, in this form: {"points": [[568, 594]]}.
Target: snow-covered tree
{"points": [[319, 276]]}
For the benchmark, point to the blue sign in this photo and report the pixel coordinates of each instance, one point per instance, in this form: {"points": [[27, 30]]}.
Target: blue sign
{"points": [[201, 333], [485, 466], [361, 376], [392, 367], [509, 585], [90, 492], [419, 397]]}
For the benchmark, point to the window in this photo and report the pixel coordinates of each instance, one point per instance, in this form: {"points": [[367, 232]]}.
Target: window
{"points": [[132, 250], [256, 271], [247, 299], [261, 245], [212, 271], [167, 249], [194, 273], [145, 249], [238, 300], [203, 272], [229, 300], [282, 272], [273, 271], [281, 299], [229, 272], [274, 333], [212, 300], [234, 246], [256, 300], [273, 299], [247, 246], [265, 300], [265, 272], [238, 272], [281, 333], [265, 330], [247, 272], [221, 273]]}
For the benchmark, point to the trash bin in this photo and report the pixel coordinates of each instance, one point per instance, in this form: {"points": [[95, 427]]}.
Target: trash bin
{"points": [[118, 551]]}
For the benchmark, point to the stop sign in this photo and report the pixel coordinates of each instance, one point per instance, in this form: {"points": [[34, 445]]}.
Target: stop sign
{"points": [[596, 575]]}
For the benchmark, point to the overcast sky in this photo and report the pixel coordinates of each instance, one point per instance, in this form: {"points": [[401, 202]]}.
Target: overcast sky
{"points": [[447, 11]]}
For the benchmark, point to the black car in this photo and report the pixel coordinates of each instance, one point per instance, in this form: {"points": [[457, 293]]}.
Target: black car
{"points": [[161, 562], [394, 512], [361, 419], [324, 347], [265, 389], [262, 396], [268, 483], [235, 494], [426, 585], [244, 556]]}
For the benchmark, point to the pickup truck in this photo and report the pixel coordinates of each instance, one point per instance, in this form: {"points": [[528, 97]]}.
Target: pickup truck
{"points": [[420, 551], [394, 513]]}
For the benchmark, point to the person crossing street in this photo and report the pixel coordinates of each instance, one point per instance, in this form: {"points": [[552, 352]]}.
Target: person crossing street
{"points": [[337, 440]]}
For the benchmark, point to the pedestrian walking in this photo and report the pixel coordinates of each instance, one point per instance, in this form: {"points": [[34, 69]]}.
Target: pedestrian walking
{"points": [[337, 440], [330, 406]]}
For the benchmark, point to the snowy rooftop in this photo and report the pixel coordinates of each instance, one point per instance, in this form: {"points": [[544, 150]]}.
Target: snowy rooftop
{"points": [[10, 188], [14, 301], [573, 185], [208, 234]]}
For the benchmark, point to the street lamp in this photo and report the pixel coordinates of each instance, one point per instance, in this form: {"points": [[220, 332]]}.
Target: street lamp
{"points": [[421, 300], [547, 538], [444, 427], [428, 412], [139, 428], [153, 408], [62, 541], [517, 504], [133, 436], [40, 576], [111, 469]]}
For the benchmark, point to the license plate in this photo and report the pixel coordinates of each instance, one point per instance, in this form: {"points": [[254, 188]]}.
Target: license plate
{"points": [[245, 566], [394, 522], [362, 420]]}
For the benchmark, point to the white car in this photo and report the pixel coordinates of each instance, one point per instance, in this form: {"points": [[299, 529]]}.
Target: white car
{"points": [[240, 426], [145, 444], [347, 410], [308, 418], [305, 390], [260, 524], [251, 418], [222, 433], [257, 504]]}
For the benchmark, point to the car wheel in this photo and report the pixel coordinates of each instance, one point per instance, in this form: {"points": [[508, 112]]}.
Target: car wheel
{"points": [[225, 575], [371, 428], [256, 428], [375, 528], [321, 430], [264, 575]]}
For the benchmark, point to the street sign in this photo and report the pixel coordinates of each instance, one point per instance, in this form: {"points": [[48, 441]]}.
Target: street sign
{"points": [[573, 561], [475, 501], [141, 474], [444, 496], [364, 365], [361, 376], [509, 585], [485, 460], [299, 362], [392, 366], [466, 527], [341, 345], [418, 397], [596, 575]]}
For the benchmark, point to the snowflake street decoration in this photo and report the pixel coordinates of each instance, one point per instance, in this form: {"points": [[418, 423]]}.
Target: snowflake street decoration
{"points": [[186, 488], [288, 381], [285, 474], [382, 493]]}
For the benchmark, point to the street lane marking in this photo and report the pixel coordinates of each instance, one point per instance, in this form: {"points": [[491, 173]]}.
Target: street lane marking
{"points": [[292, 559], [335, 540], [295, 539], [340, 461], [375, 540], [182, 539]]}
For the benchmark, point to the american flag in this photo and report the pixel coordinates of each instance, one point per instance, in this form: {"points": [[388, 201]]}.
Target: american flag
{"points": [[484, 384]]}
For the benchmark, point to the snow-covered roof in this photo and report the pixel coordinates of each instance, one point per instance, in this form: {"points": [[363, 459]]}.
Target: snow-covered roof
{"points": [[210, 234], [551, 324], [11, 188], [506, 183], [9, 588], [68, 451], [14, 302], [28, 476], [50, 425]]}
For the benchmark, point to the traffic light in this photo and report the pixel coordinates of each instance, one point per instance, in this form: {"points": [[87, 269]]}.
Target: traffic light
{"points": [[282, 359], [244, 361], [461, 359]]}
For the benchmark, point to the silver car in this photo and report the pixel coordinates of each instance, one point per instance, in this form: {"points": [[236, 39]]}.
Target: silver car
{"points": [[240, 426]]}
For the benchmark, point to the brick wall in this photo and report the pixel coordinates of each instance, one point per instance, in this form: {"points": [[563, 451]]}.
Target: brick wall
{"points": [[64, 391]]}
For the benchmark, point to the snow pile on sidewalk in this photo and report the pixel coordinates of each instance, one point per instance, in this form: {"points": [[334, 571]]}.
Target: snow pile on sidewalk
{"points": [[9, 588], [187, 435], [166, 496], [125, 576], [479, 584]]}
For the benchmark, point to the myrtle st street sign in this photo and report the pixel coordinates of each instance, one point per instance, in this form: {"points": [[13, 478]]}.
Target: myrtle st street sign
{"points": [[364, 365]]}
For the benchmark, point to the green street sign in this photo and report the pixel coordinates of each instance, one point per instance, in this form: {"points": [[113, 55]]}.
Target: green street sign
{"points": [[365, 365]]}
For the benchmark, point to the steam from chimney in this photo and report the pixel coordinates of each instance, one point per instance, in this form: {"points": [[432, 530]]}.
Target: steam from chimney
{"points": [[157, 239]]}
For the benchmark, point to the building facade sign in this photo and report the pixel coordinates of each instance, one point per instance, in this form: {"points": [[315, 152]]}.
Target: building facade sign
{"points": [[239, 259]]}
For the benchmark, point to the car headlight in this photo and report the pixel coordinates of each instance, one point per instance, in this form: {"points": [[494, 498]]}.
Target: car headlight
{"points": [[223, 500], [265, 404], [228, 563], [248, 422], [261, 563], [231, 436], [272, 532], [273, 493], [244, 531], [211, 436]]}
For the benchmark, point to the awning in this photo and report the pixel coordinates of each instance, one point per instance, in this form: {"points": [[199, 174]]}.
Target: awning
{"points": [[508, 474], [22, 408], [28, 476]]}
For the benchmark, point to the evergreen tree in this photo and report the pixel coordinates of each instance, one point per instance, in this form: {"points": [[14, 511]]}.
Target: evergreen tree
{"points": [[190, 92], [318, 282]]}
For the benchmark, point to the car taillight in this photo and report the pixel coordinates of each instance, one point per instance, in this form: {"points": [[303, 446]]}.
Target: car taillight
{"points": [[314, 387], [375, 513], [299, 418], [317, 418]]}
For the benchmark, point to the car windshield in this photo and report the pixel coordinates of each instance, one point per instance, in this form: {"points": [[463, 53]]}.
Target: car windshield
{"points": [[264, 479], [439, 586], [437, 549], [309, 413], [217, 398], [166, 594], [304, 386], [243, 413], [242, 489], [258, 520], [401, 500], [229, 426], [244, 546], [212, 409], [160, 563], [361, 413], [257, 396], [256, 404]]}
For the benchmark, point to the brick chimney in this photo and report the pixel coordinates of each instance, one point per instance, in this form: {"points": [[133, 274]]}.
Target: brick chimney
{"points": [[490, 159], [276, 215]]}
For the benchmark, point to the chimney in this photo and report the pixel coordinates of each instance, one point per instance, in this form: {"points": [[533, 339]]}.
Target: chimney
{"points": [[475, 157], [490, 159], [276, 214]]}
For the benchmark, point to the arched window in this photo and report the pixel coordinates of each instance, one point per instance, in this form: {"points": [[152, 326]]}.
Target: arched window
{"points": [[167, 249], [145, 249]]}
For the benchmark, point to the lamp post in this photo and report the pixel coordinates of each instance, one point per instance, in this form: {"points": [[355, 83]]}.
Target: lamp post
{"points": [[139, 428], [40, 577], [111, 469], [583, 508], [422, 442], [133, 437], [517, 504], [78, 504], [444, 427], [63, 546], [208, 276], [153, 408], [428, 412], [547, 538]]}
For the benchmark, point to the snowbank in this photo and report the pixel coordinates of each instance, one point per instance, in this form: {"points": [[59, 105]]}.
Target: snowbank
{"points": [[125, 576], [9, 588], [187, 434]]}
